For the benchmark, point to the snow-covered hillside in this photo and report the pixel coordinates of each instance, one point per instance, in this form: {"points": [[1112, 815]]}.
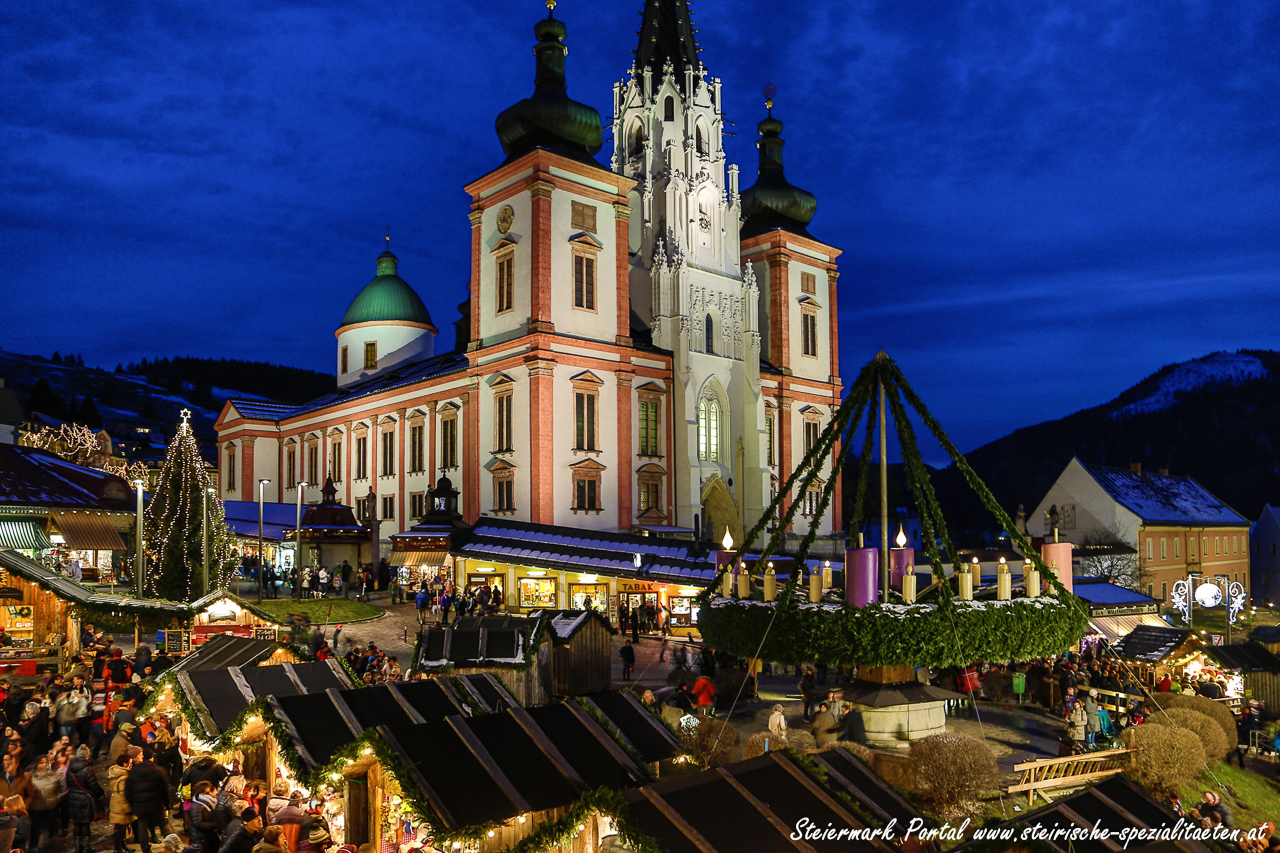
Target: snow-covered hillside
{"points": [[1220, 368]]}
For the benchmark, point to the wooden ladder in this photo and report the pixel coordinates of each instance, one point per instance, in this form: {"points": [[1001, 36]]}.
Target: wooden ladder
{"points": [[1071, 771]]}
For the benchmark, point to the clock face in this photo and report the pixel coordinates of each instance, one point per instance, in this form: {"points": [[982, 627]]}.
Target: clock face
{"points": [[1208, 595], [506, 217]]}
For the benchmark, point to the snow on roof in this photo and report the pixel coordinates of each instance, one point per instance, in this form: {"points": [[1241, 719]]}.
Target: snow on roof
{"points": [[1163, 497]]}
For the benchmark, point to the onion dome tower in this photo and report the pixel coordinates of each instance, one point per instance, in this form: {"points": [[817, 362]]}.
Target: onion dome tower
{"points": [[550, 119], [386, 325], [773, 203]]}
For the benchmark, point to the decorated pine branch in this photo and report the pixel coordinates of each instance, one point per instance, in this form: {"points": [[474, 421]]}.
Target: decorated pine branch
{"points": [[946, 632]]}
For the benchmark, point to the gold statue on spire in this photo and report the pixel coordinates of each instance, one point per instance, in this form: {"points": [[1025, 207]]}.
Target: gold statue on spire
{"points": [[551, 5]]}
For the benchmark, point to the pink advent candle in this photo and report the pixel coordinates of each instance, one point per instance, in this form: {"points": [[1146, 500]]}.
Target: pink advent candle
{"points": [[862, 576], [901, 562]]}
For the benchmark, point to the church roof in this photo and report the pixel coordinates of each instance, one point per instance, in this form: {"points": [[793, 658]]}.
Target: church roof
{"points": [[773, 203], [668, 35], [388, 298]]}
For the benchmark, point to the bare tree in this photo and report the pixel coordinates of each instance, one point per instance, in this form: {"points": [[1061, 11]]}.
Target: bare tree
{"points": [[1104, 554]]}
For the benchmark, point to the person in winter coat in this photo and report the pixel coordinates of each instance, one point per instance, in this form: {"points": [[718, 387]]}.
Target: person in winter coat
{"points": [[1077, 722], [316, 841], [290, 820], [82, 797], [271, 841], [824, 727], [204, 826], [147, 790], [705, 692], [628, 655], [44, 805], [808, 691], [422, 602], [14, 782], [778, 726], [1093, 723], [121, 816], [244, 839]]}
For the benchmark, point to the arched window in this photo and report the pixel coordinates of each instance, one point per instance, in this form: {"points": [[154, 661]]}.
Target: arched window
{"points": [[637, 140], [709, 429], [701, 141], [669, 109], [711, 335]]}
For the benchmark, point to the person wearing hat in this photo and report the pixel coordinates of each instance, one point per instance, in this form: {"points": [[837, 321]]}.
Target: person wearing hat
{"points": [[317, 840], [1093, 723], [119, 812], [778, 726], [121, 742], [244, 839], [290, 819]]}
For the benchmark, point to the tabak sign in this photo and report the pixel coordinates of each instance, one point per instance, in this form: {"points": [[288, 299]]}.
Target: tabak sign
{"points": [[637, 586], [1208, 594]]}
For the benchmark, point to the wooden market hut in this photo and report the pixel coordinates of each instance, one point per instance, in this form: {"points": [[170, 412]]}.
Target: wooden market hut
{"points": [[224, 612], [549, 654], [43, 609], [1259, 668], [757, 804], [1115, 804], [581, 651]]}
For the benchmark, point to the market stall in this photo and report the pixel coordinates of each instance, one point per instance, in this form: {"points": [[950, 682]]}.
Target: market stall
{"points": [[224, 612]]}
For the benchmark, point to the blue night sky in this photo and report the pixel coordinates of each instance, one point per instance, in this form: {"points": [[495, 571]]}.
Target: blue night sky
{"points": [[1040, 202]]}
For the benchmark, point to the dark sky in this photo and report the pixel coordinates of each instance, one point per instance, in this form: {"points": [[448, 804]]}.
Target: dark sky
{"points": [[1040, 202]]}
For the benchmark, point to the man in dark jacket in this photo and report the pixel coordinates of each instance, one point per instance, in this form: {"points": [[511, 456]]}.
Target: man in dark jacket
{"points": [[244, 839], [1245, 727], [628, 655], [146, 788]]}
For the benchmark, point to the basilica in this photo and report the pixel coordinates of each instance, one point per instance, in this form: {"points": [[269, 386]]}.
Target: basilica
{"points": [[646, 346]]}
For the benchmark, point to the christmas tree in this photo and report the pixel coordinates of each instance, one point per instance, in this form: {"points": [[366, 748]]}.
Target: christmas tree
{"points": [[173, 536]]}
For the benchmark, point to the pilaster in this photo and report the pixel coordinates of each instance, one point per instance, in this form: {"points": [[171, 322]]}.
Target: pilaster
{"points": [[834, 318], [779, 313], [248, 482], [541, 441], [540, 258], [622, 238], [477, 244], [626, 449], [471, 449]]}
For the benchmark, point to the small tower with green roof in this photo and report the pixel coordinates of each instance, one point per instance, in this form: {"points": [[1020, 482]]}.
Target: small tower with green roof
{"points": [[386, 325]]}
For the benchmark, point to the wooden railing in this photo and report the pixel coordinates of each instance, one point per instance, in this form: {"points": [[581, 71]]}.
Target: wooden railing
{"points": [[1046, 773]]}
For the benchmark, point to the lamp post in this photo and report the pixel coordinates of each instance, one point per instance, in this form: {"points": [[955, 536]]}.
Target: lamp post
{"points": [[297, 554], [204, 538], [137, 543], [262, 560]]}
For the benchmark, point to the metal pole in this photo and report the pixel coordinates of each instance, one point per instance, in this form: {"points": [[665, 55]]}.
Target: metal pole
{"points": [[262, 561], [884, 503], [297, 555], [137, 559]]}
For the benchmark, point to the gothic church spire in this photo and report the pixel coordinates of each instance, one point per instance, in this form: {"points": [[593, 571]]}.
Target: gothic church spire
{"points": [[668, 35]]}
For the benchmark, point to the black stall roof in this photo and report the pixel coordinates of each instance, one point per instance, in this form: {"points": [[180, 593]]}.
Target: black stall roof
{"points": [[1150, 643], [756, 805], [224, 650], [321, 724], [476, 642], [219, 696], [634, 724], [1245, 657], [1116, 804], [473, 770]]}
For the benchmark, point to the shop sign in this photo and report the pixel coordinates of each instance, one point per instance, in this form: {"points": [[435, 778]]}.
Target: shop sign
{"points": [[9, 593], [637, 586], [264, 634]]}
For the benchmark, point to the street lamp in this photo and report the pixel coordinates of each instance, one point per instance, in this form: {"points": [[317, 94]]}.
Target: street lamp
{"points": [[204, 537], [297, 555], [262, 561], [137, 558]]}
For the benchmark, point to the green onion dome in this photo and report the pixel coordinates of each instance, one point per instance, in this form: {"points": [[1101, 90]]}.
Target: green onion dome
{"points": [[774, 203], [387, 299], [550, 119]]}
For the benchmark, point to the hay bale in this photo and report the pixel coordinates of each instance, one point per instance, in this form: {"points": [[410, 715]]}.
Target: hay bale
{"points": [[760, 743], [952, 769], [711, 742], [1203, 727], [801, 739], [1166, 756]]}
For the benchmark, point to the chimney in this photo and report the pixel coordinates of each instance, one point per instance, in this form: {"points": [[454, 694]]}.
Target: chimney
{"points": [[1135, 467], [1164, 472]]}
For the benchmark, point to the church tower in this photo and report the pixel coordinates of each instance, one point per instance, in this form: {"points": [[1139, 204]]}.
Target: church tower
{"points": [[687, 284]]}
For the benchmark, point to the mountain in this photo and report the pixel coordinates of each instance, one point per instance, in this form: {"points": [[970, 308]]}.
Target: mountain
{"points": [[150, 395], [1216, 419]]}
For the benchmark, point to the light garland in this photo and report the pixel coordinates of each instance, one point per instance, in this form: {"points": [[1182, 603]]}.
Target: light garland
{"points": [[79, 444], [173, 533]]}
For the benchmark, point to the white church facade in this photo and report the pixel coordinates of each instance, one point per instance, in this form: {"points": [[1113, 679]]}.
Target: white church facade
{"points": [[645, 345]]}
